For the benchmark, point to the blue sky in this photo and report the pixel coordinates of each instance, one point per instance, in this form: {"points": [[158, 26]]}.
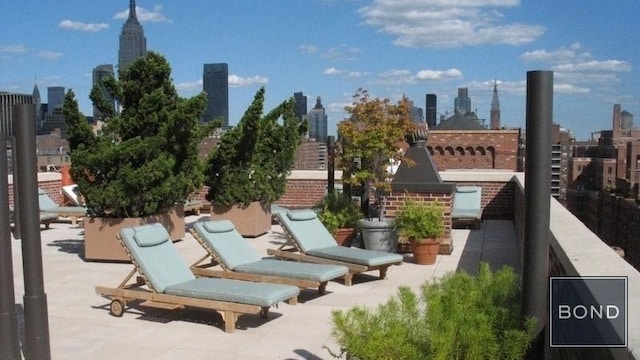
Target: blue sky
{"points": [[330, 48]]}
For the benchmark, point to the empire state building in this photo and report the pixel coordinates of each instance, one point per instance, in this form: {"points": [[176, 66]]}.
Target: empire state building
{"points": [[133, 44]]}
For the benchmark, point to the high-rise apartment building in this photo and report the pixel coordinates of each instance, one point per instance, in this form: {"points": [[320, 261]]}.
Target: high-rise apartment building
{"points": [[300, 106], [100, 72], [431, 112], [133, 44], [462, 102], [7, 100], [495, 108], [215, 82], [55, 98], [318, 122]]}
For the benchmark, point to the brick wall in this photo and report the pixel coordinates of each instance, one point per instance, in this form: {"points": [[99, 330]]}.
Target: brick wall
{"points": [[53, 188], [479, 149], [303, 193], [394, 202]]}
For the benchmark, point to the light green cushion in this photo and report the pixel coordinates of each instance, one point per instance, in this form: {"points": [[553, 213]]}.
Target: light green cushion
{"points": [[244, 292], [307, 230], [467, 203], [222, 237], [294, 270], [150, 236], [160, 263], [357, 256]]}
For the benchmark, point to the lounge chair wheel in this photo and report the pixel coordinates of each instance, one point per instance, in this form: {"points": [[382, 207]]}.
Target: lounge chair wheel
{"points": [[116, 308]]}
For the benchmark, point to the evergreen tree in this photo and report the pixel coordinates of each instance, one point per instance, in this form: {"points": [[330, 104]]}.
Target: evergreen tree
{"points": [[254, 158], [145, 159]]}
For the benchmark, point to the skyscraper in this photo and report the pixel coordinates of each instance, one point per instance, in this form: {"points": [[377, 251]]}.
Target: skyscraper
{"points": [[215, 82], [495, 108], [55, 98], [133, 44], [37, 103], [462, 102], [431, 113], [99, 73], [318, 122], [300, 107]]}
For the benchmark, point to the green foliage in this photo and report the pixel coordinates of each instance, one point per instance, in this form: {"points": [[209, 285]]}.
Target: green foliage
{"points": [[337, 210], [145, 159], [459, 317], [253, 159], [372, 133], [420, 220]]}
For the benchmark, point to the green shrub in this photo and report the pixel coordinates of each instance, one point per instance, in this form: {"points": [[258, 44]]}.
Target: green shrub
{"points": [[420, 221], [337, 210], [459, 317]]}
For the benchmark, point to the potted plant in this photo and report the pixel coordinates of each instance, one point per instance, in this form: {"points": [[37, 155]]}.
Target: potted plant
{"points": [[370, 137], [422, 223], [339, 214], [248, 170], [459, 316], [143, 161]]}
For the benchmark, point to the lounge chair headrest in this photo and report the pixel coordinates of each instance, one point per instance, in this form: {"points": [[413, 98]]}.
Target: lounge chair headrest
{"points": [[220, 226], [467, 189], [301, 215], [150, 235]]}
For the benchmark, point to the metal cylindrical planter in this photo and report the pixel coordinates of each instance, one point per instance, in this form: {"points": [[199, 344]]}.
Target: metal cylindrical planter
{"points": [[378, 235]]}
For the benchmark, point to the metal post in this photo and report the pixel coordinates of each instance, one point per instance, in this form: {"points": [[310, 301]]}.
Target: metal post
{"points": [[331, 166], [535, 274], [10, 338], [36, 319], [16, 191]]}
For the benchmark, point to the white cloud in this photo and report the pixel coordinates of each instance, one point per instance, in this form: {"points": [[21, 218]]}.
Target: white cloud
{"points": [[189, 86], [425, 75], [49, 55], [341, 53], [237, 81], [332, 71], [308, 49], [13, 49], [80, 26], [145, 15], [575, 69], [448, 23], [355, 74], [397, 77]]}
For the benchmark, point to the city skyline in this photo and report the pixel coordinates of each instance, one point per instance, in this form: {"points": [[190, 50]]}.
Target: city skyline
{"points": [[331, 48]]}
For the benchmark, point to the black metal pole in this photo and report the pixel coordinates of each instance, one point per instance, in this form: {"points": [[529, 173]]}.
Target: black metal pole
{"points": [[331, 166], [10, 338], [36, 319], [535, 274], [16, 191]]}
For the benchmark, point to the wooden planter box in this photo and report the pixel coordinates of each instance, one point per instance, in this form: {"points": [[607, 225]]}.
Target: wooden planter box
{"points": [[100, 242], [250, 221]]}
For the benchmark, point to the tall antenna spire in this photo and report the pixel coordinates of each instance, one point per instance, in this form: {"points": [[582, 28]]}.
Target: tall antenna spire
{"points": [[132, 9]]}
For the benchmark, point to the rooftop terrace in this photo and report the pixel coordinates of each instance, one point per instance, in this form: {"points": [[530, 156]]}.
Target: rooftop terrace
{"points": [[81, 327]]}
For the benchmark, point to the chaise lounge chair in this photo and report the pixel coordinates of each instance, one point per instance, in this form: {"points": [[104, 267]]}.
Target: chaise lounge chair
{"points": [[467, 206], [310, 241], [238, 260], [47, 205], [45, 218], [171, 285]]}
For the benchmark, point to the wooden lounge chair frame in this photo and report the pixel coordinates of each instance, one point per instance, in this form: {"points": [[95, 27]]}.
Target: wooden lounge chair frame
{"points": [[291, 250], [131, 291], [202, 268]]}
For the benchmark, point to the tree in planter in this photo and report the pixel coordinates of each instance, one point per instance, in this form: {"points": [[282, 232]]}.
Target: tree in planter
{"points": [[370, 137], [145, 159], [254, 158], [459, 317]]}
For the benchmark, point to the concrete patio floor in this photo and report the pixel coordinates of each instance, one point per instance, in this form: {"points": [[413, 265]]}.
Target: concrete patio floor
{"points": [[80, 326]]}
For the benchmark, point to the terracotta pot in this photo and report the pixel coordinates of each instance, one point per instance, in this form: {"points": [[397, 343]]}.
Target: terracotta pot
{"points": [[250, 221], [343, 236], [425, 253]]}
